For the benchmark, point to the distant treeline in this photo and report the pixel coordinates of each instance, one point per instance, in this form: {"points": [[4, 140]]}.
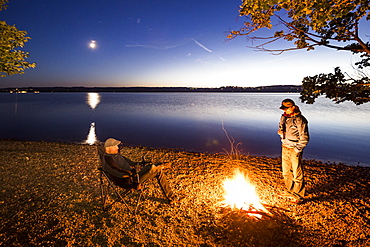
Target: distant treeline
{"points": [[228, 89]]}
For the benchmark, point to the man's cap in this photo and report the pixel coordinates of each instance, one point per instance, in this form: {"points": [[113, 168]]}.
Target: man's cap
{"points": [[286, 104], [111, 142]]}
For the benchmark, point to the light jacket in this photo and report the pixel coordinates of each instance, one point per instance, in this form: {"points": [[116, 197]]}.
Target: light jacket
{"points": [[295, 132]]}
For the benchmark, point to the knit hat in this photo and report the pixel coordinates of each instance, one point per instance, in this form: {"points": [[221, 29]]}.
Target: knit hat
{"points": [[111, 142]]}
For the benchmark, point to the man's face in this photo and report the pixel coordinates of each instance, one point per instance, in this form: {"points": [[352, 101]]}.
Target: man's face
{"points": [[112, 150], [289, 110], [115, 149]]}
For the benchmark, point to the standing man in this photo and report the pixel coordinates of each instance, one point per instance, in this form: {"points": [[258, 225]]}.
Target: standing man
{"points": [[293, 131]]}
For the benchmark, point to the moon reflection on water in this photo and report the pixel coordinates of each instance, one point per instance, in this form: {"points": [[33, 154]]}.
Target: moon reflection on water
{"points": [[91, 137], [93, 99]]}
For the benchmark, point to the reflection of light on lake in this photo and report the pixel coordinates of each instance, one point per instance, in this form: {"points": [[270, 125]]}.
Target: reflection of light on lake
{"points": [[91, 137], [93, 99]]}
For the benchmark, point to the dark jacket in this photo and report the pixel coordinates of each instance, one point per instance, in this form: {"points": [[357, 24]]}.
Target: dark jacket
{"points": [[118, 166]]}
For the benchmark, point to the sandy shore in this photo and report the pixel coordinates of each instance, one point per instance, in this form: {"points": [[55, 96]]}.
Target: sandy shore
{"points": [[50, 197]]}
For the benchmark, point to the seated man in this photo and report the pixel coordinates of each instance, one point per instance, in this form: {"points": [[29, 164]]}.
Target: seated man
{"points": [[119, 166]]}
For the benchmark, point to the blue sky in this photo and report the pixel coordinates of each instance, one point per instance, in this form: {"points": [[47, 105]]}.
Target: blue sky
{"points": [[151, 43]]}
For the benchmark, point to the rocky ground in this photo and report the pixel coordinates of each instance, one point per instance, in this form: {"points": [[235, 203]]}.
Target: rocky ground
{"points": [[49, 196]]}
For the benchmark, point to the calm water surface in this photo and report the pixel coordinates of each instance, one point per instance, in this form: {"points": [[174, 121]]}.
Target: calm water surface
{"points": [[187, 121]]}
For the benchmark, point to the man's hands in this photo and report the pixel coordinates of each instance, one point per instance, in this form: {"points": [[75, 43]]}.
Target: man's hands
{"points": [[281, 134], [138, 167]]}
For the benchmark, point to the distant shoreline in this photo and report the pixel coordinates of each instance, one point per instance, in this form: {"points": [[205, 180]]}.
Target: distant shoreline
{"points": [[228, 89]]}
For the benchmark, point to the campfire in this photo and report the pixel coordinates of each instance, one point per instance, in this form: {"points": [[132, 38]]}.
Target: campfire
{"points": [[241, 194]]}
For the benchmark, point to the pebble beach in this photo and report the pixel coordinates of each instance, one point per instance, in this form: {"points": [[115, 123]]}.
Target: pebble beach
{"points": [[50, 196]]}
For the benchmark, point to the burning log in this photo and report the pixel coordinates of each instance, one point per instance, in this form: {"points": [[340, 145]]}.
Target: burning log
{"points": [[241, 194]]}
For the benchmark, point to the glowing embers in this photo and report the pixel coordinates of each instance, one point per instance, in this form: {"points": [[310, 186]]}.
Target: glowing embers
{"points": [[241, 194], [91, 137], [93, 99]]}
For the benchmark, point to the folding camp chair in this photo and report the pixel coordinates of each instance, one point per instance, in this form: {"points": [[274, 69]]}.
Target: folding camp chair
{"points": [[108, 181]]}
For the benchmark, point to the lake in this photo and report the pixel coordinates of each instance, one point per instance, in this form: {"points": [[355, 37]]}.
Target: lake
{"points": [[187, 121]]}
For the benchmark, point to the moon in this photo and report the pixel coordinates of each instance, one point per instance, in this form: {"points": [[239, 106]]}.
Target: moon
{"points": [[92, 44]]}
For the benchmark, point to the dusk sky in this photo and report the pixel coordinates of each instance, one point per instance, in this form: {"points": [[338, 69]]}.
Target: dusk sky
{"points": [[151, 43]]}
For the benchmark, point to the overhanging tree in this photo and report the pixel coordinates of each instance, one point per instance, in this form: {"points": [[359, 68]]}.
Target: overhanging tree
{"points": [[307, 24], [12, 58]]}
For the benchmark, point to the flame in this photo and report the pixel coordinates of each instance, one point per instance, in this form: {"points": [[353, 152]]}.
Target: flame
{"points": [[241, 194]]}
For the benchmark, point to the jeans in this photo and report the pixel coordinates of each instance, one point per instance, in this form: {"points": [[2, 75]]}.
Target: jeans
{"points": [[293, 172], [153, 171]]}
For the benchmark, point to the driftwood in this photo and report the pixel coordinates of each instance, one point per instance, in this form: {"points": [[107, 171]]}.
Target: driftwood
{"points": [[253, 210], [249, 212]]}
